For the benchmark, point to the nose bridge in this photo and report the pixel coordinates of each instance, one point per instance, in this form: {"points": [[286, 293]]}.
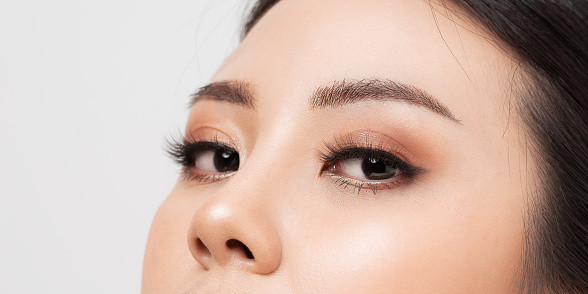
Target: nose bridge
{"points": [[269, 168]]}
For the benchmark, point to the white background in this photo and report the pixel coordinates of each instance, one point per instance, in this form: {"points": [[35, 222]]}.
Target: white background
{"points": [[89, 89]]}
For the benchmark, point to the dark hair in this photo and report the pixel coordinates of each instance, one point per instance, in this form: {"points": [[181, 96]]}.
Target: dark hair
{"points": [[550, 40]]}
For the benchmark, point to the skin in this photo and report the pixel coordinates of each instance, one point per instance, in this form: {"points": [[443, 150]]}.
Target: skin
{"points": [[455, 228]]}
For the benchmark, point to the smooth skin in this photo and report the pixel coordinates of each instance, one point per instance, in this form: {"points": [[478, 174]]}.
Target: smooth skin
{"points": [[455, 228]]}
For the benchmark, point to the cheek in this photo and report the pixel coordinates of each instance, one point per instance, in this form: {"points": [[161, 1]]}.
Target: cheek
{"points": [[409, 247], [355, 259], [168, 263], [363, 255]]}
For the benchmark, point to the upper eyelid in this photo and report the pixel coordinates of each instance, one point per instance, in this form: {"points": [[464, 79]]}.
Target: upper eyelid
{"points": [[372, 139], [346, 141], [333, 154]]}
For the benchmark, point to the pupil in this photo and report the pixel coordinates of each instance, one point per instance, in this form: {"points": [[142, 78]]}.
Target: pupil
{"points": [[226, 160], [375, 169]]}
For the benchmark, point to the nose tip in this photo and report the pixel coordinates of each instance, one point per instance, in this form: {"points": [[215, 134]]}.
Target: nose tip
{"points": [[229, 235]]}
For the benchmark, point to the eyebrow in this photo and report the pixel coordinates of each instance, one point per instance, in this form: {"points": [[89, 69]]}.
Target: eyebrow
{"points": [[339, 94], [342, 93], [235, 92]]}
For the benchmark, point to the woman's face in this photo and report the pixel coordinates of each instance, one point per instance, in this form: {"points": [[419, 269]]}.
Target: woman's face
{"points": [[349, 147]]}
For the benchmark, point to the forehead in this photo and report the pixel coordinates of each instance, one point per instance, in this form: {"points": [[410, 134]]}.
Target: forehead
{"points": [[300, 45]]}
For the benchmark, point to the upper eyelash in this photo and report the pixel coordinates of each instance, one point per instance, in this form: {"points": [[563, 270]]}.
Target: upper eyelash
{"points": [[350, 152], [182, 149], [346, 142]]}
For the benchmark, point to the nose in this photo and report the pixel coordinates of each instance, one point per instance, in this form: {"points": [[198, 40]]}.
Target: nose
{"points": [[233, 230]]}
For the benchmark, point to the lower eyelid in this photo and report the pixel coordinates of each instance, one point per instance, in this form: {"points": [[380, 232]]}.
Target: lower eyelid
{"points": [[190, 176], [359, 185]]}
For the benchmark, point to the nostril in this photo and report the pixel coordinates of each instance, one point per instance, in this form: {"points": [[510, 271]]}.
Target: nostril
{"points": [[238, 245], [202, 248]]}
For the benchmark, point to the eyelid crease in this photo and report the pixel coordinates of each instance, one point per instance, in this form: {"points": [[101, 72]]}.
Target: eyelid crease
{"points": [[363, 139], [211, 134]]}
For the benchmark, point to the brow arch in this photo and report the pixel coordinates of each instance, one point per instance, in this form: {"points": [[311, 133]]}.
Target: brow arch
{"points": [[345, 92]]}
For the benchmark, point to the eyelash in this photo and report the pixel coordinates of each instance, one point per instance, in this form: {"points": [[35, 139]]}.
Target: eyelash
{"points": [[345, 148], [182, 151]]}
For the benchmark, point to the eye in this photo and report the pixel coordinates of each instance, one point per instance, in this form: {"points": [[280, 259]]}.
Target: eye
{"points": [[368, 168], [204, 161], [216, 159]]}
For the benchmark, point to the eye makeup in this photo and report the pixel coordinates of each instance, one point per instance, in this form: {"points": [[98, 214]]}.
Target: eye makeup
{"points": [[205, 157], [364, 161]]}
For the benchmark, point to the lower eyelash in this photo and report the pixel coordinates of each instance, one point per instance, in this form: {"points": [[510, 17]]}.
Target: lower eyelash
{"points": [[358, 185], [188, 176]]}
